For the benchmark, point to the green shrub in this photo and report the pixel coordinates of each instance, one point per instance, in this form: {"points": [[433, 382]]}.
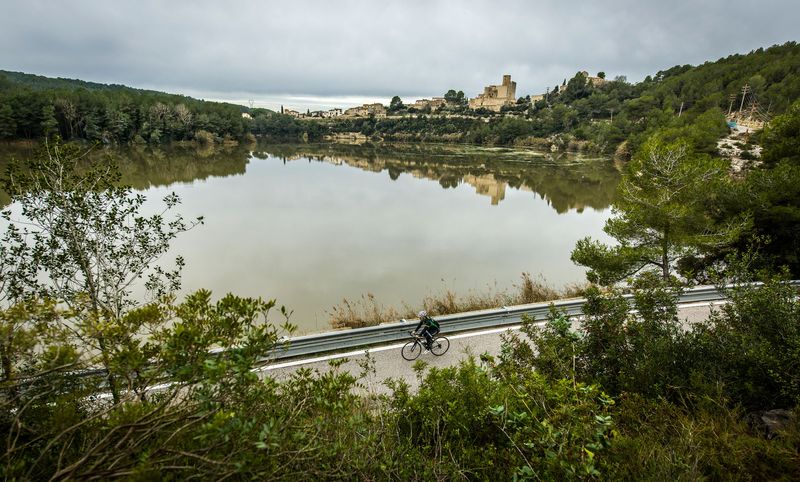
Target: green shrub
{"points": [[520, 425], [752, 346], [659, 440]]}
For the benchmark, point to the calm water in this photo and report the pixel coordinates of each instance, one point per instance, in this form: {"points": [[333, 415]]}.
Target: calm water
{"points": [[310, 225]]}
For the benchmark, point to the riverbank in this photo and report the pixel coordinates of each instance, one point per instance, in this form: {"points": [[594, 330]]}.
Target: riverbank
{"points": [[369, 311]]}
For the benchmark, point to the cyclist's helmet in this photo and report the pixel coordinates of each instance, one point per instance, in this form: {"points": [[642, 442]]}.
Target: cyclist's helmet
{"points": [[422, 314]]}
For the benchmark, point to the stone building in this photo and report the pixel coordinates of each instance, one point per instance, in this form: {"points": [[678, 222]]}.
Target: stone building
{"points": [[496, 96], [434, 103], [378, 110]]}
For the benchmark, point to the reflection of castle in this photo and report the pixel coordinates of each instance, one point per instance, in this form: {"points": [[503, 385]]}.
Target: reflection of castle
{"points": [[487, 185], [564, 187]]}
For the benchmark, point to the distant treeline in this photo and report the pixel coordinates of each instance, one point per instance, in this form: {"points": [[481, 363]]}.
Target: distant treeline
{"points": [[33, 107], [578, 114]]}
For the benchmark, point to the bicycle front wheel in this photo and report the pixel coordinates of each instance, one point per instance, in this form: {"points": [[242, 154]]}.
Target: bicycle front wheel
{"points": [[411, 350], [440, 346]]}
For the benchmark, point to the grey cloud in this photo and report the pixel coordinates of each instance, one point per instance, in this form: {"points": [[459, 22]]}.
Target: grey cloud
{"points": [[373, 48]]}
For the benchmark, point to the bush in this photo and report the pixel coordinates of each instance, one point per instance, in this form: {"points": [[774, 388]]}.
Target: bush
{"points": [[659, 440], [751, 346], [204, 137], [518, 426]]}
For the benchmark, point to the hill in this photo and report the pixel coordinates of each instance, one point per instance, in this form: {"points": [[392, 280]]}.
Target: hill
{"points": [[40, 82], [33, 106], [599, 116]]}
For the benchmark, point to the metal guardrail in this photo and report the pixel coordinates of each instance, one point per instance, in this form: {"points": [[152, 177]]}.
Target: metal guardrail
{"points": [[476, 320], [392, 332]]}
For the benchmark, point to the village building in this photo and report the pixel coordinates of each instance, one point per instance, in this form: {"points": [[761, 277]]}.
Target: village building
{"points": [[325, 114], [359, 111], [377, 110], [434, 103], [494, 97]]}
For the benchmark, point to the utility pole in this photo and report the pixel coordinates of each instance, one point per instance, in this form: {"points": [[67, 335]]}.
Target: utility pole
{"points": [[732, 98], [612, 115], [681, 110], [745, 91]]}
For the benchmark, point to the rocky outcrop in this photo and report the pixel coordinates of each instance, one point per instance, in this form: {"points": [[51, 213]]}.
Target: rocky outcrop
{"points": [[771, 423]]}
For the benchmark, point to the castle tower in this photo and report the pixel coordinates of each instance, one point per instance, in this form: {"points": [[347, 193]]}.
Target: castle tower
{"points": [[494, 97]]}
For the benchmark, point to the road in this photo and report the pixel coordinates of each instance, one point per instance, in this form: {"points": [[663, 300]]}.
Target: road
{"points": [[389, 364]]}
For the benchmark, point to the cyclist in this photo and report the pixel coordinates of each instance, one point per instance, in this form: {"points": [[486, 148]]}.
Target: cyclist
{"points": [[430, 328]]}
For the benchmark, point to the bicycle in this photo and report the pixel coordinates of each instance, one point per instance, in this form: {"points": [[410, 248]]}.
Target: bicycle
{"points": [[413, 348]]}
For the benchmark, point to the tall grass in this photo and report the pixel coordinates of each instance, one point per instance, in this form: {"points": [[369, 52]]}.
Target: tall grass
{"points": [[367, 311]]}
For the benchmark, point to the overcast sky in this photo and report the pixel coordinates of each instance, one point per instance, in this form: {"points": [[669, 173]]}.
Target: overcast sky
{"points": [[308, 53]]}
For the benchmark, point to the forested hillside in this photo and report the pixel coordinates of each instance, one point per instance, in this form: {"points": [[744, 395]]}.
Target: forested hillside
{"points": [[33, 107], [690, 100]]}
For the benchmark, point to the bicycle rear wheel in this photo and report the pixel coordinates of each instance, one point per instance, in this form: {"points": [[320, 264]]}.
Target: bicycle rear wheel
{"points": [[411, 350], [440, 346]]}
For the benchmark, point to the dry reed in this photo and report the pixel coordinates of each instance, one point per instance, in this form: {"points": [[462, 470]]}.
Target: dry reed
{"points": [[366, 311]]}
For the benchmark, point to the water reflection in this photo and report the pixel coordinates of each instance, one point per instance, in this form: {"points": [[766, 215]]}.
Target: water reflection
{"points": [[147, 167], [312, 224], [565, 181]]}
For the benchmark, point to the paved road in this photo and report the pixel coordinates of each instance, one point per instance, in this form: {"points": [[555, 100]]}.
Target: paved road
{"points": [[389, 364]]}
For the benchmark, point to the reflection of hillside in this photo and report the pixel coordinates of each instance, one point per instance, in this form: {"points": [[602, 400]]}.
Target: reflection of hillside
{"points": [[156, 167], [142, 168], [565, 182]]}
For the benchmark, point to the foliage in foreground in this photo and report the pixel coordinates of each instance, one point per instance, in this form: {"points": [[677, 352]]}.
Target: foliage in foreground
{"points": [[623, 398], [688, 395]]}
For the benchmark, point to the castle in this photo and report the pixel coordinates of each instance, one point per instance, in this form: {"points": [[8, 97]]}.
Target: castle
{"points": [[496, 96]]}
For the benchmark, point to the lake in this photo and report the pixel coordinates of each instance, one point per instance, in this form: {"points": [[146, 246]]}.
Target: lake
{"points": [[312, 224]]}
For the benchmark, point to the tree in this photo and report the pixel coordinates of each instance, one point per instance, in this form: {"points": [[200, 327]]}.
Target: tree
{"points": [[601, 75], [81, 240], [772, 193], [455, 98], [782, 138], [8, 127], [69, 112], [396, 104], [659, 217], [49, 124], [577, 87]]}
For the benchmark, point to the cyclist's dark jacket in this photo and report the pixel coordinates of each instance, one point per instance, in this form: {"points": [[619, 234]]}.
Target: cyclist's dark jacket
{"points": [[429, 323]]}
